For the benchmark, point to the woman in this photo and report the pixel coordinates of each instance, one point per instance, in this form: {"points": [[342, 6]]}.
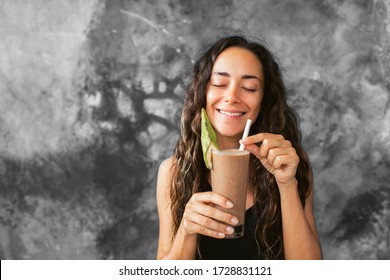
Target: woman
{"points": [[236, 80]]}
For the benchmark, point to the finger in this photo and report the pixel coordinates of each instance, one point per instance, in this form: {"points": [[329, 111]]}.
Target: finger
{"points": [[196, 228], [202, 211], [277, 152], [253, 149], [290, 159], [211, 224], [260, 137], [267, 166], [212, 197], [269, 144]]}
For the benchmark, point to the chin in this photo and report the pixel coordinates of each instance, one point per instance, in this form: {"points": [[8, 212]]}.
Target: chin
{"points": [[230, 134]]}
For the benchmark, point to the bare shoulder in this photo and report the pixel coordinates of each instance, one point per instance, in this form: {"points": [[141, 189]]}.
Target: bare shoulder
{"points": [[165, 171], [166, 166], [164, 180]]}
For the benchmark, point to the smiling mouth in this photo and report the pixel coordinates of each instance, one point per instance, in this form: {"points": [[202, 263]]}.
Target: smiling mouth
{"points": [[231, 114]]}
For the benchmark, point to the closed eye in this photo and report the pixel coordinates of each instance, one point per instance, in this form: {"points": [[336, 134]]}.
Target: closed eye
{"points": [[218, 85], [249, 89]]}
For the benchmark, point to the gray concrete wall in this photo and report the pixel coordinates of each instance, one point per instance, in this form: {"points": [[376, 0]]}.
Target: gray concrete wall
{"points": [[90, 96]]}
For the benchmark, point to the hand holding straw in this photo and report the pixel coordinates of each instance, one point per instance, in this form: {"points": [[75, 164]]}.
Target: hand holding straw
{"points": [[246, 133]]}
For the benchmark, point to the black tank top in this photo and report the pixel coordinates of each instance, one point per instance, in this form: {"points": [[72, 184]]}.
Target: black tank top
{"points": [[243, 248]]}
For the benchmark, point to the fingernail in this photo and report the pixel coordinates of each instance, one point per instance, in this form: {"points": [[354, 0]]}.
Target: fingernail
{"points": [[234, 220], [221, 234], [229, 204], [229, 229]]}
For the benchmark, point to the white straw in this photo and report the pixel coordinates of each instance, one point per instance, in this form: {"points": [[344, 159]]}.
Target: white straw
{"points": [[246, 133]]}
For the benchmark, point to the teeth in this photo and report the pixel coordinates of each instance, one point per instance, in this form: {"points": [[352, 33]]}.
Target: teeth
{"points": [[231, 114]]}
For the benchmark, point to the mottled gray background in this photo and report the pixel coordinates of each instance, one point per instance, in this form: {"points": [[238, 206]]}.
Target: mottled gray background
{"points": [[91, 92]]}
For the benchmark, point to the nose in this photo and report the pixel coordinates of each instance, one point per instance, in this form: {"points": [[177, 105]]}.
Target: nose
{"points": [[231, 95]]}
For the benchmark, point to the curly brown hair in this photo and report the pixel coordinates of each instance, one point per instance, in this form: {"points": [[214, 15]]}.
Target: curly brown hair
{"points": [[190, 172]]}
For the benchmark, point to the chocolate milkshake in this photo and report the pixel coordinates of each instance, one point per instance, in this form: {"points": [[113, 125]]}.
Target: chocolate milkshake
{"points": [[229, 177]]}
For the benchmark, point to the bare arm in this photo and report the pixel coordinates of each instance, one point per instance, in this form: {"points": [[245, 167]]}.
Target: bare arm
{"points": [[299, 230], [184, 245]]}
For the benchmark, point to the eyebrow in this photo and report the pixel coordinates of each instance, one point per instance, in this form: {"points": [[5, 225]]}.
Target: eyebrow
{"points": [[246, 77]]}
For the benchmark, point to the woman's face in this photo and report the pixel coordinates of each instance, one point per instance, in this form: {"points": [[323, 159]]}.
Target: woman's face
{"points": [[234, 92]]}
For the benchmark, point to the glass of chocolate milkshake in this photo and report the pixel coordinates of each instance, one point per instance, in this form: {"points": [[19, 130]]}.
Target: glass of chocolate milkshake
{"points": [[229, 178]]}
